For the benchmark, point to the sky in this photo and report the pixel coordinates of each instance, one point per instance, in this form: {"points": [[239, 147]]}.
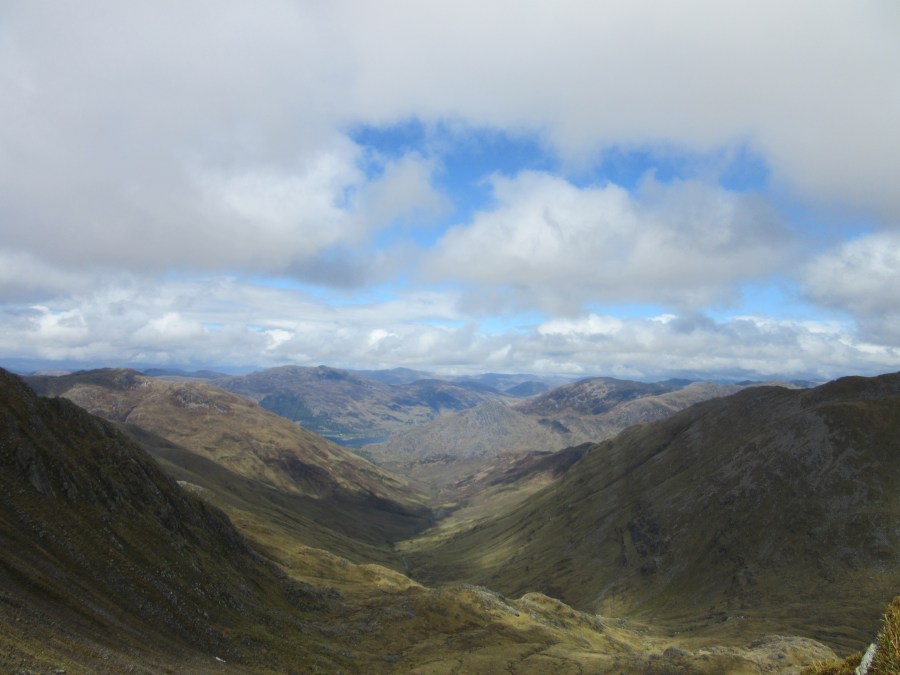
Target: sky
{"points": [[640, 189]]}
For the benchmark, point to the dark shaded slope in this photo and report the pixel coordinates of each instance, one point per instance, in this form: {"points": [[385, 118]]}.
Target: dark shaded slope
{"points": [[772, 507], [356, 525], [107, 564]]}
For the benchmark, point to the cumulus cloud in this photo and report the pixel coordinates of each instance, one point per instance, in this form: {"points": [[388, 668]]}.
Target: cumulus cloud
{"points": [[550, 244], [736, 348], [224, 322], [403, 192], [861, 278], [220, 321], [112, 111], [811, 84], [199, 136]]}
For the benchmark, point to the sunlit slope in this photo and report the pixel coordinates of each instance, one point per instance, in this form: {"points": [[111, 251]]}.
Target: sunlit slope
{"points": [[252, 461], [490, 429], [772, 507]]}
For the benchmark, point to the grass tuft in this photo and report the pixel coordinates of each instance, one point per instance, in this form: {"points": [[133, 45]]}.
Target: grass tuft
{"points": [[887, 658], [845, 667]]}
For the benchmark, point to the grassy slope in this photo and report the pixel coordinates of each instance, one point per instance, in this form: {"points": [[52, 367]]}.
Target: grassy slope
{"points": [[886, 658], [263, 470], [769, 510]]}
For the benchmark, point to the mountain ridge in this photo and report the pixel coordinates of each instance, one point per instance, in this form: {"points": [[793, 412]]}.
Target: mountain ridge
{"points": [[436, 453], [795, 490]]}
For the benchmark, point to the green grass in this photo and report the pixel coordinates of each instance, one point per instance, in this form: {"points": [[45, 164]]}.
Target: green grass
{"points": [[843, 667]]}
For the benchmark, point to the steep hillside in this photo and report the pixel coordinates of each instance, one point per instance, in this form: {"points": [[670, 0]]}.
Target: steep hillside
{"points": [[882, 657], [107, 564], [347, 406], [254, 459], [770, 509]]}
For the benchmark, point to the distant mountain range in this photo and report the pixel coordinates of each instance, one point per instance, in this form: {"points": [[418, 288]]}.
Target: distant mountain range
{"points": [[583, 411], [441, 455], [357, 407], [346, 406]]}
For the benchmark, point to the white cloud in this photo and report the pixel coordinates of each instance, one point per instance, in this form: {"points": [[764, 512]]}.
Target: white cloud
{"points": [[199, 136], [811, 84], [114, 109], [592, 324], [24, 278], [752, 347], [403, 191], [188, 323], [222, 321], [268, 220], [169, 330], [861, 278], [552, 245]]}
